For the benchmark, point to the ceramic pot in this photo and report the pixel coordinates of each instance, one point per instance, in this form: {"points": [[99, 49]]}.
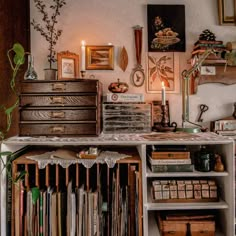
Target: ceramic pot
{"points": [[118, 87], [50, 74]]}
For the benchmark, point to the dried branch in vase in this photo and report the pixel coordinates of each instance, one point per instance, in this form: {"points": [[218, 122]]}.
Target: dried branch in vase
{"points": [[48, 26]]}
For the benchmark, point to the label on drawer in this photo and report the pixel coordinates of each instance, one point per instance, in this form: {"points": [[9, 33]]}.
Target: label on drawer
{"points": [[125, 97]]}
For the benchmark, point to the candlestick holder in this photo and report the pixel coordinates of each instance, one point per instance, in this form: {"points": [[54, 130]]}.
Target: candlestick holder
{"points": [[83, 72], [165, 125]]}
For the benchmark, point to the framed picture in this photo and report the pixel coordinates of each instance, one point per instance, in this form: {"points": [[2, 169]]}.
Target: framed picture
{"points": [[68, 65], [137, 77], [227, 12], [157, 112], [99, 57], [166, 28], [163, 67]]}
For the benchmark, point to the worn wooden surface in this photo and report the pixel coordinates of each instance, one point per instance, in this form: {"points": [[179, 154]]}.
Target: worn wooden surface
{"points": [[14, 27]]}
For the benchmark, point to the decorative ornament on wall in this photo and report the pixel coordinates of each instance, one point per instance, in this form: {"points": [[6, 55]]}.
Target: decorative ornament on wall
{"points": [[137, 75], [123, 59]]}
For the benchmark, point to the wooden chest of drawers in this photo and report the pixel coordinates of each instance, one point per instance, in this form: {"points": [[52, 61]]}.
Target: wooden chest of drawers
{"points": [[60, 108]]}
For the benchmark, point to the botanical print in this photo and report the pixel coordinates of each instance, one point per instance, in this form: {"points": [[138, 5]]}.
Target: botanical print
{"points": [[162, 67], [166, 28]]}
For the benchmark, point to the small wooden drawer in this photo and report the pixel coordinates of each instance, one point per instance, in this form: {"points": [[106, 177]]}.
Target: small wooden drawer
{"points": [[43, 114], [181, 227], [58, 100], [58, 129], [202, 228], [74, 86]]}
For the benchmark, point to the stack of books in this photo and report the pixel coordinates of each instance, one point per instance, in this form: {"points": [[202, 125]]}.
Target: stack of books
{"points": [[170, 162], [201, 46], [225, 127]]}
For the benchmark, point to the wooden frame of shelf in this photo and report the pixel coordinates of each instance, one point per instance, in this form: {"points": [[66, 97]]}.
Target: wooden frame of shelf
{"points": [[224, 75]]}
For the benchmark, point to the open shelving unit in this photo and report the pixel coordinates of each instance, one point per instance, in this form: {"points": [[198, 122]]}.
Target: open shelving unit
{"points": [[225, 207]]}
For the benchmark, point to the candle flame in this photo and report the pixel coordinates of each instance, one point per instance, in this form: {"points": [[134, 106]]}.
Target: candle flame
{"points": [[83, 43], [162, 84]]}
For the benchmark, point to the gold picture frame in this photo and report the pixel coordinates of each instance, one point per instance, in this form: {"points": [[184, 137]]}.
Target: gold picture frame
{"points": [[227, 12], [100, 57], [67, 65]]}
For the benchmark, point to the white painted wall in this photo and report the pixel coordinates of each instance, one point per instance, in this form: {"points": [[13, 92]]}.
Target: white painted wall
{"points": [[100, 22]]}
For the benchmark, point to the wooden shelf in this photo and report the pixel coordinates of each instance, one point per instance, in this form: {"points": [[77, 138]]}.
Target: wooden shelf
{"points": [[224, 75]]}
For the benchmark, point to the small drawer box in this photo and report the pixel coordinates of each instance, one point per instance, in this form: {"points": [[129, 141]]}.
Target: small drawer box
{"points": [[197, 227], [60, 108]]}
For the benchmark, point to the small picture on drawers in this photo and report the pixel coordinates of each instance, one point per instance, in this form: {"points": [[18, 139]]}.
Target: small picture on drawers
{"points": [[68, 65]]}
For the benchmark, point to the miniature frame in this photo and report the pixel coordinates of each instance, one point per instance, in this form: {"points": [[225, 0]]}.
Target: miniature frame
{"points": [[99, 57], [68, 65]]}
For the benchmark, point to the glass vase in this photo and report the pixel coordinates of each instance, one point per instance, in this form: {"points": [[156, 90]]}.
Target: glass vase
{"points": [[30, 73]]}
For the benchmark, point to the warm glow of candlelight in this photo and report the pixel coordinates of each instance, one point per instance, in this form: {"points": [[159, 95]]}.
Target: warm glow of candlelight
{"points": [[163, 93], [82, 55]]}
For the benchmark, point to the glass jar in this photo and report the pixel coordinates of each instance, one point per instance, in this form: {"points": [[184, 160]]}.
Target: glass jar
{"points": [[203, 160], [30, 73]]}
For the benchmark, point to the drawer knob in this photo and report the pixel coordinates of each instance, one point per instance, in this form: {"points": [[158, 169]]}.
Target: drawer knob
{"points": [[58, 129], [58, 87], [57, 100], [57, 114]]}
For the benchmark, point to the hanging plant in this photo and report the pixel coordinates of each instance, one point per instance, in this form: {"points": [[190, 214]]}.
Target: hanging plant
{"points": [[16, 57]]}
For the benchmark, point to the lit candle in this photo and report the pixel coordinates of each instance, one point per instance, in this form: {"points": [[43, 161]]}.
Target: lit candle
{"points": [[163, 93], [83, 55]]}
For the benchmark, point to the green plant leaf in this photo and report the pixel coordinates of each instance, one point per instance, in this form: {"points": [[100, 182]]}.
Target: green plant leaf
{"points": [[35, 194], [5, 153], [20, 176], [19, 57]]}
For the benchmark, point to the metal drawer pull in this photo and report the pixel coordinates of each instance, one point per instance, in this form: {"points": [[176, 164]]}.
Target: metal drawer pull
{"points": [[57, 114], [57, 100], [58, 87], [58, 129]]}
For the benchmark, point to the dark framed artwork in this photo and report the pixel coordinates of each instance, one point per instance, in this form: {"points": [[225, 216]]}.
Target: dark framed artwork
{"points": [[166, 28]]}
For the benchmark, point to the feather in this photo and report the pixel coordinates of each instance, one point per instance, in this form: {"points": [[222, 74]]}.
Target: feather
{"points": [[123, 62]]}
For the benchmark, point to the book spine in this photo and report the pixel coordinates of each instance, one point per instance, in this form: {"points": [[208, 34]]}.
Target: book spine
{"points": [[209, 45], [170, 155], [209, 42], [41, 213], [170, 161], [172, 168]]}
